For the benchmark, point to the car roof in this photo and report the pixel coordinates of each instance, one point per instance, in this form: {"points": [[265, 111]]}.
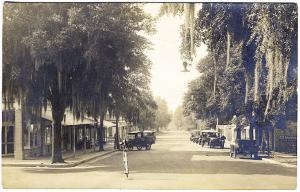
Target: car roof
{"points": [[148, 131], [134, 132], [209, 131]]}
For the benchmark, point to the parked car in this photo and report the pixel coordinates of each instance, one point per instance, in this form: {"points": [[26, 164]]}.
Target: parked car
{"points": [[211, 137], [195, 135], [245, 148], [138, 140], [219, 141]]}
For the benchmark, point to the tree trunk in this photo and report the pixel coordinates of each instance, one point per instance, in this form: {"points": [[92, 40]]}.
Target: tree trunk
{"points": [[228, 50], [57, 116], [215, 77], [256, 133], [268, 139], [247, 87], [94, 136], [56, 144], [239, 129], [251, 131], [257, 79], [117, 131], [101, 133], [273, 139]]}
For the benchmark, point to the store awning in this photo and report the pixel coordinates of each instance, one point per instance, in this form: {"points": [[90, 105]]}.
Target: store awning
{"points": [[108, 124], [68, 119]]}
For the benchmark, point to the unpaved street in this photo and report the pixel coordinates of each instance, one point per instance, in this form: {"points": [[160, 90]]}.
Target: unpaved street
{"points": [[173, 163]]}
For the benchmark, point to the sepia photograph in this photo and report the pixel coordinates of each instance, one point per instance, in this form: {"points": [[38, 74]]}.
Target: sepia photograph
{"points": [[149, 96]]}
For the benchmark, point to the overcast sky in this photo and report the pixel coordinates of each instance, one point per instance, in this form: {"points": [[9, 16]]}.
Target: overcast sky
{"points": [[167, 79]]}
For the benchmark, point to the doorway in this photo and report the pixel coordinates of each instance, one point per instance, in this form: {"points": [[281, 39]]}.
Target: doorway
{"points": [[8, 139]]}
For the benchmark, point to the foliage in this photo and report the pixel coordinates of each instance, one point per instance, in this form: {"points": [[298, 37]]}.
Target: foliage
{"points": [[163, 116], [273, 28], [87, 57], [178, 117], [262, 67], [188, 9]]}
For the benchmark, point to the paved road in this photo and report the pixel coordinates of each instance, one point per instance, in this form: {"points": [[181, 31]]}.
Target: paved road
{"points": [[172, 163]]}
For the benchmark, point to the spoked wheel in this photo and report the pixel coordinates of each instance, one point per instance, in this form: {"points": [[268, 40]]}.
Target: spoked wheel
{"points": [[139, 147], [130, 147], [148, 147]]}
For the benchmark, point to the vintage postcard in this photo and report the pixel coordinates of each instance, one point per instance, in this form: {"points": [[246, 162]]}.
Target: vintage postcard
{"points": [[141, 95]]}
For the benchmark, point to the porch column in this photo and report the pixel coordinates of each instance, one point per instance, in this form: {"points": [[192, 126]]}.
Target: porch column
{"points": [[39, 137], [18, 136], [90, 135], [43, 139], [29, 133], [94, 136], [62, 138], [70, 138], [84, 138], [74, 140]]}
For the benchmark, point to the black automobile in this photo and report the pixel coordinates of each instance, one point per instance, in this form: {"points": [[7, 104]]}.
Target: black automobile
{"points": [[139, 140], [195, 136], [217, 141], [211, 137], [245, 148]]}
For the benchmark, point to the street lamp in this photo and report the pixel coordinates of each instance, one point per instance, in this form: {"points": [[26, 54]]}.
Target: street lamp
{"points": [[185, 64]]}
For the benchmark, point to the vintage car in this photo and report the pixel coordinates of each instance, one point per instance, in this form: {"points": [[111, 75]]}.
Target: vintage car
{"points": [[209, 136], [244, 147], [195, 136], [137, 139], [219, 141]]}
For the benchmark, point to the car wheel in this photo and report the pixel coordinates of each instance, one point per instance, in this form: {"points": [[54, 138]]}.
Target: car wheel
{"points": [[130, 147], [148, 147], [139, 147]]}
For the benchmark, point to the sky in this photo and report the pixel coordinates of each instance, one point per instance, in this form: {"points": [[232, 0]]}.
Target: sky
{"points": [[167, 80]]}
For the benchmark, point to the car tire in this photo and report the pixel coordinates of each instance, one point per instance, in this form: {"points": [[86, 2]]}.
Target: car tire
{"points": [[139, 147], [148, 147], [130, 147]]}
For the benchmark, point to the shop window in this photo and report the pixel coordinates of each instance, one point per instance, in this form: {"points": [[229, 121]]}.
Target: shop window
{"points": [[7, 139], [48, 135], [139, 135], [110, 132], [10, 148], [3, 148], [3, 135], [10, 134], [36, 138]]}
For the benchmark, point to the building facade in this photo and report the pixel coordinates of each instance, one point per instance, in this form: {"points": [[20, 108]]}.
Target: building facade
{"points": [[25, 136]]}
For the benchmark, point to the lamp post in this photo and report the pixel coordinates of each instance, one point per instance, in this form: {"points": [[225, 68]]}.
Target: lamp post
{"points": [[185, 64]]}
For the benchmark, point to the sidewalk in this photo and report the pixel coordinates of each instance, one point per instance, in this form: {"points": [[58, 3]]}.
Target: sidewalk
{"points": [[81, 156], [287, 160]]}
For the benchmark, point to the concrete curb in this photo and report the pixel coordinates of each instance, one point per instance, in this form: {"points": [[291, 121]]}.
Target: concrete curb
{"points": [[94, 157], [62, 165], [63, 169], [279, 163]]}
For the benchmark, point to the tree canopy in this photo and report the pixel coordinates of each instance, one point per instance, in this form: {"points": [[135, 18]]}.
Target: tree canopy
{"points": [[89, 57], [258, 79]]}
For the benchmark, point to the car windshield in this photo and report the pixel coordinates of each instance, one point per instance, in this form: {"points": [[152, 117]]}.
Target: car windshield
{"points": [[130, 136], [148, 134], [212, 134]]}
